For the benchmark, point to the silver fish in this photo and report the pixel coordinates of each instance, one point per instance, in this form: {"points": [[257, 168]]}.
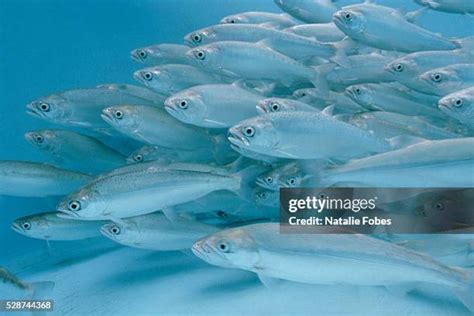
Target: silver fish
{"points": [[50, 226], [309, 11], [171, 78], [250, 61], [156, 232], [144, 188], [33, 179], [73, 150], [160, 54], [213, 106], [165, 155], [81, 107], [154, 126], [267, 18], [328, 259], [387, 29], [324, 32], [137, 91], [460, 105], [449, 79], [342, 102], [450, 6], [304, 135], [271, 105], [436, 163]]}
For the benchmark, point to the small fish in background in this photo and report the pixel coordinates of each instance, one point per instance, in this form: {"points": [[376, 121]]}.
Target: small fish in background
{"points": [[309, 11], [73, 150], [81, 107], [270, 179], [213, 106], [156, 232], [449, 6], [172, 78], [322, 32], [385, 28], [459, 105], [34, 179], [305, 135], [271, 105], [408, 68], [165, 155], [160, 54], [274, 20], [342, 103], [13, 288], [50, 226], [449, 79]]}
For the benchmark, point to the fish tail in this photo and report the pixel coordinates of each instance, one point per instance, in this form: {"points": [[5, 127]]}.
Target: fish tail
{"points": [[466, 294], [42, 290], [222, 152], [319, 81]]}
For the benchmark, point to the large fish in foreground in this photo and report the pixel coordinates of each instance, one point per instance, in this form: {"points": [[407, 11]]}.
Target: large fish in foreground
{"points": [[305, 135], [386, 29], [144, 188], [33, 179], [329, 259], [50, 226], [156, 232]]}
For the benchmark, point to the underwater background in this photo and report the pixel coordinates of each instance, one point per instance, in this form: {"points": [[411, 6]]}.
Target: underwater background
{"points": [[48, 46]]}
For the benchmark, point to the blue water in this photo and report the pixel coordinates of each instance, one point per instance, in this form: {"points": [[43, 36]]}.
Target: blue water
{"points": [[51, 45]]}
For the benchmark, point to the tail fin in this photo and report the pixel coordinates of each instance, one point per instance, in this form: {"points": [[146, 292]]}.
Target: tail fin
{"points": [[466, 294], [42, 290], [222, 152], [319, 80]]}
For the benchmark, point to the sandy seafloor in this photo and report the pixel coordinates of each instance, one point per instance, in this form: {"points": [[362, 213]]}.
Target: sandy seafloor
{"points": [[51, 45]]}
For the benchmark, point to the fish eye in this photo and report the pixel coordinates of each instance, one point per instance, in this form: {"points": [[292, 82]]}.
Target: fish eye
{"points": [[38, 138], [439, 206], [398, 67], [138, 158], [291, 181], [147, 76], [358, 91], [348, 16], [249, 131], [224, 246], [115, 230], [262, 195], [232, 21], [44, 107], [197, 38], [275, 107], [222, 214], [142, 54], [26, 225], [183, 104], [269, 180], [436, 77], [74, 205], [457, 103], [118, 114], [199, 54]]}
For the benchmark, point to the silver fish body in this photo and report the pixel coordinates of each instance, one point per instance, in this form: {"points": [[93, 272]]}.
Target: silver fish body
{"points": [[312, 11], [322, 32], [449, 79], [160, 54], [271, 105], [275, 20], [450, 6], [137, 91]]}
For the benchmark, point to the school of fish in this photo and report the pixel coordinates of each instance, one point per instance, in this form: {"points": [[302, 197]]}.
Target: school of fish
{"points": [[192, 156]]}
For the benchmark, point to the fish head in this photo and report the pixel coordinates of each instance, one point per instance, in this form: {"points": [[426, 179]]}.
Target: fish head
{"points": [[292, 179], [402, 67], [256, 134], [272, 105], [268, 180], [34, 226], [264, 197], [187, 106], [442, 78], [306, 95], [457, 105], [203, 56], [82, 204], [199, 37], [142, 154], [156, 78], [232, 248], [54, 108], [124, 117], [143, 54], [236, 19], [44, 140], [349, 21], [125, 232], [359, 93]]}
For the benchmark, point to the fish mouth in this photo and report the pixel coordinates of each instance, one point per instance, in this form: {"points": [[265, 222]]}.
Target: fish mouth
{"points": [[137, 75], [351, 94], [390, 69], [105, 230], [29, 137], [261, 183], [188, 41], [16, 227], [134, 56], [107, 116], [261, 109], [238, 140], [66, 213], [338, 20], [33, 111]]}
